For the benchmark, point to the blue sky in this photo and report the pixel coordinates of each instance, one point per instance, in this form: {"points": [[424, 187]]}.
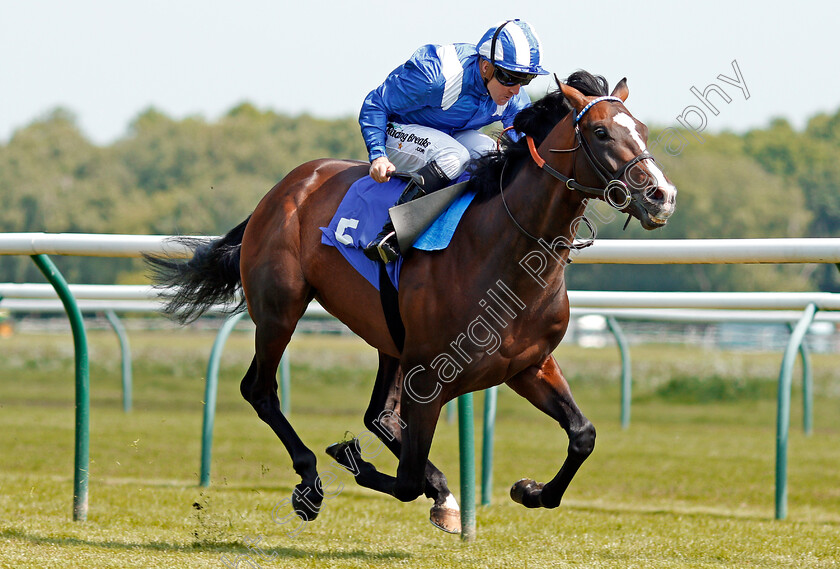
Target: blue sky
{"points": [[107, 61]]}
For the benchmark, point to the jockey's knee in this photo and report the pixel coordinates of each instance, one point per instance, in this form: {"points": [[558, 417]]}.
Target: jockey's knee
{"points": [[452, 160], [477, 143]]}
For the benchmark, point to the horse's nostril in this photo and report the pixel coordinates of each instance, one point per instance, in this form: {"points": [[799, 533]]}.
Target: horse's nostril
{"points": [[655, 194]]}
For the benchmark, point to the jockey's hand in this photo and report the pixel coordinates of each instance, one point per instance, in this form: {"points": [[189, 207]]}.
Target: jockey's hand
{"points": [[381, 169]]}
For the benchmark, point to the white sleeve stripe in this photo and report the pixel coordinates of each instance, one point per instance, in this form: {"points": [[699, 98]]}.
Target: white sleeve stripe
{"points": [[522, 47], [453, 73]]}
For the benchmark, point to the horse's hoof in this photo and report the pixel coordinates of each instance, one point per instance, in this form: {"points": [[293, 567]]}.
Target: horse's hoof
{"points": [[446, 516], [527, 492], [340, 451], [306, 501], [334, 450]]}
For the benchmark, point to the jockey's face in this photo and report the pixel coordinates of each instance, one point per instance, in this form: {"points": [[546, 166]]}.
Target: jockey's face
{"points": [[500, 94]]}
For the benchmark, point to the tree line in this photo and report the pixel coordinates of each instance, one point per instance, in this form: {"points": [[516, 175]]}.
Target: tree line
{"points": [[193, 176]]}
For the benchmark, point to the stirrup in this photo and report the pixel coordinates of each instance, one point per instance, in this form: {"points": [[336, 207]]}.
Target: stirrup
{"points": [[388, 252], [381, 249]]}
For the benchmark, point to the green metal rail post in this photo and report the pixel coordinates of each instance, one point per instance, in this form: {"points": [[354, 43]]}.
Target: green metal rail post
{"points": [[783, 410], [211, 387], [490, 397], [807, 387], [82, 446], [626, 373], [466, 444], [125, 351]]}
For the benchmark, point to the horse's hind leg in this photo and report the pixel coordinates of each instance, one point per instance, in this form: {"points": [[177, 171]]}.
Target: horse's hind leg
{"points": [[382, 418], [548, 390], [276, 315], [420, 420]]}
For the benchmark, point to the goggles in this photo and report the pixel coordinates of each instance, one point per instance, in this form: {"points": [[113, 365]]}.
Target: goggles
{"points": [[509, 78]]}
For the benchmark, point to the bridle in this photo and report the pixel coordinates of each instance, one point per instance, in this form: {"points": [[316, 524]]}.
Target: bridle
{"points": [[612, 180]]}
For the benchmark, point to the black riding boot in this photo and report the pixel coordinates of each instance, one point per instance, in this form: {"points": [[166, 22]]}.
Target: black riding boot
{"points": [[426, 180]]}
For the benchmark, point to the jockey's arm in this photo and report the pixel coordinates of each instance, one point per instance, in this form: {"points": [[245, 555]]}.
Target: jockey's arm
{"points": [[407, 88]]}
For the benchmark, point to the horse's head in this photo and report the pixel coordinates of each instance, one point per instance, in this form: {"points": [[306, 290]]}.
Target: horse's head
{"points": [[614, 144]]}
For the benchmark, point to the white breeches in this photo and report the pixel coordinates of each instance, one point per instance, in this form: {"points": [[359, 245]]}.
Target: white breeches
{"points": [[410, 147]]}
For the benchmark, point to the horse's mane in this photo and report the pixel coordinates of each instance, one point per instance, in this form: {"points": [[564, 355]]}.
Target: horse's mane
{"points": [[536, 121]]}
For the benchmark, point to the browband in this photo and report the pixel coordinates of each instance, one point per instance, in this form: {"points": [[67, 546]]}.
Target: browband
{"points": [[592, 102]]}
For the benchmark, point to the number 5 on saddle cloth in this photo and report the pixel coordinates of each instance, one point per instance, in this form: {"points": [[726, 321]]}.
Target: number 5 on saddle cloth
{"points": [[364, 210]]}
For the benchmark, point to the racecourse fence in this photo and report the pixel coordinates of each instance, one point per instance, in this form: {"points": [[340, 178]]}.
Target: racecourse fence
{"points": [[40, 245], [37, 298]]}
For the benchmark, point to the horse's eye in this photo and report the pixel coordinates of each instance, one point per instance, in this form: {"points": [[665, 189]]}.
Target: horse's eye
{"points": [[601, 133]]}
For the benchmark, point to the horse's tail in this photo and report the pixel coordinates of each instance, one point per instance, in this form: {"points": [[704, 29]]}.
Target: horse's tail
{"points": [[211, 277]]}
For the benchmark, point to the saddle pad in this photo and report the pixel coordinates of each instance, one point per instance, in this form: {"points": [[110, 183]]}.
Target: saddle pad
{"points": [[363, 212]]}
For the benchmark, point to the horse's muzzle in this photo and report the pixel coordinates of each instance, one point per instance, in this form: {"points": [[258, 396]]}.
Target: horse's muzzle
{"points": [[654, 205]]}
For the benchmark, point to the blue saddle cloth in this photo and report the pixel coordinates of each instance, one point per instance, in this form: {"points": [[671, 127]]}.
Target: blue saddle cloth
{"points": [[363, 212]]}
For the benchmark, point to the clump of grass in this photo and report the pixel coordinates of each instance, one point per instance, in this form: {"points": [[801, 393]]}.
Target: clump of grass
{"points": [[209, 527], [714, 389]]}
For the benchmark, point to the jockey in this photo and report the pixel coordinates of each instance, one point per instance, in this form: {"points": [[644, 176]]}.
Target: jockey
{"points": [[424, 118]]}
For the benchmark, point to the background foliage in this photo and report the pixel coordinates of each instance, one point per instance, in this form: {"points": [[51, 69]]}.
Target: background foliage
{"points": [[192, 176]]}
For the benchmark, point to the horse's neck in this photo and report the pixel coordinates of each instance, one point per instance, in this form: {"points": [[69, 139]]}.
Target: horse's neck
{"points": [[543, 207], [548, 209]]}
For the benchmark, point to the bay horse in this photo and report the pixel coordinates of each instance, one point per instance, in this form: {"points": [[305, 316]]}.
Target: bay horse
{"points": [[576, 143]]}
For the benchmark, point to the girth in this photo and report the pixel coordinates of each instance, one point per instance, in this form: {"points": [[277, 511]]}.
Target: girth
{"points": [[389, 297]]}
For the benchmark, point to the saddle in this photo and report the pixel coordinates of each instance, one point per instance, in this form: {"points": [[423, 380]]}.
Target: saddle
{"points": [[412, 219]]}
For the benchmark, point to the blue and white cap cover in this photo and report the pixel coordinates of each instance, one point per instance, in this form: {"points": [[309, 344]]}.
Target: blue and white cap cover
{"points": [[517, 49]]}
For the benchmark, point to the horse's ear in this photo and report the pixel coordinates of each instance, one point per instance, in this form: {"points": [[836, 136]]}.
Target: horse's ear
{"points": [[557, 80], [621, 90], [575, 97]]}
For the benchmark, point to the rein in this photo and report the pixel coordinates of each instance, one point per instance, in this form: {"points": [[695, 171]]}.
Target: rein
{"points": [[573, 246]]}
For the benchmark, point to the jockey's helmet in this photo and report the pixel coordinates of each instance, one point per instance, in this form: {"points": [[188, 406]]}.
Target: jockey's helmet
{"points": [[514, 46]]}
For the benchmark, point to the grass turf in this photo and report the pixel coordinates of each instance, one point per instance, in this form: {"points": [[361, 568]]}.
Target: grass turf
{"points": [[690, 484]]}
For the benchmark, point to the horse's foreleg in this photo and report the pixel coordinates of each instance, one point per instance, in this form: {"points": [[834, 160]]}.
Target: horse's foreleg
{"points": [[547, 390], [259, 388], [383, 419]]}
